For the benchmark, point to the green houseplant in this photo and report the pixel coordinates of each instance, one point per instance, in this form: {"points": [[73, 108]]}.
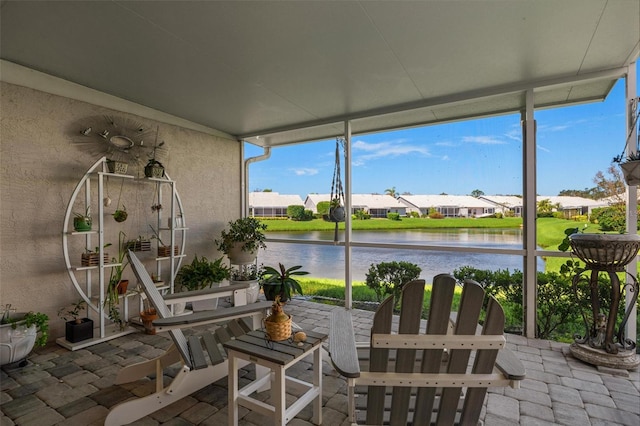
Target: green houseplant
{"points": [[242, 240], [281, 282], [82, 221], [117, 285], [200, 274]]}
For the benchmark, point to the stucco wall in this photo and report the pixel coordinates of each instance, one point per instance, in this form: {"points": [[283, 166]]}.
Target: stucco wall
{"points": [[39, 167]]}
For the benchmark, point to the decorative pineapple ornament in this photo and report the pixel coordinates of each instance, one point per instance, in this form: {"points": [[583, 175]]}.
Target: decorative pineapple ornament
{"points": [[278, 324]]}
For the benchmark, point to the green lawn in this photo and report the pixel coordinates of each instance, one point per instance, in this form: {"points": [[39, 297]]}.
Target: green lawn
{"points": [[381, 224]]}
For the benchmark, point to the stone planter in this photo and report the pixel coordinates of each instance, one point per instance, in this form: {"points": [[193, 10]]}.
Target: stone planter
{"points": [[16, 344]]}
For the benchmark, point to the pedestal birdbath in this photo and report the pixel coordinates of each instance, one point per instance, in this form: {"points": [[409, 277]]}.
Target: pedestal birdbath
{"points": [[603, 343]]}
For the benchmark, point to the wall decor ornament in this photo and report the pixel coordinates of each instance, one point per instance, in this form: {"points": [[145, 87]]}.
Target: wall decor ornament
{"points": [[121, 140]]}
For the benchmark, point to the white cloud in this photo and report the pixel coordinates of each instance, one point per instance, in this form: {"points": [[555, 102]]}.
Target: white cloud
{"points": [[483, 140], [305, 171], [365, 151]]}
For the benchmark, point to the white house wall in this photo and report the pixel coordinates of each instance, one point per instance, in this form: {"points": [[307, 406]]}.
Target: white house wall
{"points": [[40, 167]]}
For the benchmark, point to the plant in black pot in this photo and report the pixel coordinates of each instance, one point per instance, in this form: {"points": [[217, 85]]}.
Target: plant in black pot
{"points": [[200, 274], [281, 282], [77, 329], [242, 240]]}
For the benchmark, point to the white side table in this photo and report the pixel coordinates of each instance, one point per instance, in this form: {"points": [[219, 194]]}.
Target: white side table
{"points": [[277, 357]]}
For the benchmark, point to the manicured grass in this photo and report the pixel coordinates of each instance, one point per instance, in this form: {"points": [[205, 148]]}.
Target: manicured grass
{"points": [[275, 225]]}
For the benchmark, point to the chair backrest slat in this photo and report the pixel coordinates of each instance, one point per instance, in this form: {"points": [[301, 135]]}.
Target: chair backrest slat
{"points": [[437, 323], [410, 315], [157, 301], [379, 359], [466, 324], [484, 361]]}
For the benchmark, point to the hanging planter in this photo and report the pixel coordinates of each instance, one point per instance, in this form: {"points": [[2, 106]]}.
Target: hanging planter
{"points": [[154, 169], [630, 163], [120, 215], [631, 171], [117, 167]]}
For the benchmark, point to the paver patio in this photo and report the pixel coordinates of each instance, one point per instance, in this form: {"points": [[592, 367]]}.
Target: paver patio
{"points": [[60, 387]]}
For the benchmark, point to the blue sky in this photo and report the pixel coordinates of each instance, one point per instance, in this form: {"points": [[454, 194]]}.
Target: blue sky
{"points": [[573, 144]]}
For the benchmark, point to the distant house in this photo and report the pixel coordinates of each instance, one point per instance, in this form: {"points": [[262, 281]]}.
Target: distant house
{"points": [[448, 205], [505, 203], [271, 204], [377, 205], [573, 206]]}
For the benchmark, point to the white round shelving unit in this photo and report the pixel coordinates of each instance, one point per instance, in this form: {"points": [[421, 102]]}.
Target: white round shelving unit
{"points": [[93, 291]]}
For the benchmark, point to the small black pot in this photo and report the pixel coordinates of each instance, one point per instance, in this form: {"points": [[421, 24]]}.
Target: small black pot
{"points": [[77, 332]]}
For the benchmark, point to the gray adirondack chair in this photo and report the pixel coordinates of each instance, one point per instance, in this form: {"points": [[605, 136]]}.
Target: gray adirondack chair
{"points": [[202, 357], [421, 377]]}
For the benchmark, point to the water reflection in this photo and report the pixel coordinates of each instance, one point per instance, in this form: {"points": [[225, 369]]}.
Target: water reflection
{"points": [[328, 261]]}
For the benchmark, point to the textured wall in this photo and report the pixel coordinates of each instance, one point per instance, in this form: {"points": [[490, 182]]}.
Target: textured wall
{"points": [[40, 166]]}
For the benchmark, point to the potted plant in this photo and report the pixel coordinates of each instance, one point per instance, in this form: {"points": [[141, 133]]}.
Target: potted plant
{"points": [[281, 282], [242, 240], [92, 258], [164, 250], [19, 334], [117, 285], [82, 221], [630, 164], [76, 329], [251, 274], [154, 169], [120, 215], [117, 166], [148, 314], [202, 273], [139, 244]]}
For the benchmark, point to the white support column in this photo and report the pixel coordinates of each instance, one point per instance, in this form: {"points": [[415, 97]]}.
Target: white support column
{"points": [[348, 297], [529, 217], [632, 192]]}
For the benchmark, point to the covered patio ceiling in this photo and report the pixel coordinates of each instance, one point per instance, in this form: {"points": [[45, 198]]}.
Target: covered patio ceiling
{"points": [[274, 73]]}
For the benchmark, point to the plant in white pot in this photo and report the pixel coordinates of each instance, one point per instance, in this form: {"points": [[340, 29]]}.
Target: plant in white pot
{"points": [[19, 334], [200, 274], [242, 240], [250, 274]]}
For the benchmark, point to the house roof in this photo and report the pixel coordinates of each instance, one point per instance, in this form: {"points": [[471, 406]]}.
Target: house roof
{"points": [[569, 202], [510, 201], [370, 201], [273, 199], [459, 201], [273, 72]]}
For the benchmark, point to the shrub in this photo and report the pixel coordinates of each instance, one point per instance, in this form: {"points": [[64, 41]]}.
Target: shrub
{"points": [[323, 207], [298, 212], [545, 214], [361, 215], [389, 277], [610, 218], [579, 218], [556, 316], [393, 216], [414, 214], [509, 213]]}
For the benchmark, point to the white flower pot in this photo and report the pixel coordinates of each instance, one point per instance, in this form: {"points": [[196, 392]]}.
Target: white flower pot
{"points": [[16, 344]]}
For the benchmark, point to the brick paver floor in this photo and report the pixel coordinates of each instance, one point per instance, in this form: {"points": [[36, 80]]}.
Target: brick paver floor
{"points": [[60, 387]]}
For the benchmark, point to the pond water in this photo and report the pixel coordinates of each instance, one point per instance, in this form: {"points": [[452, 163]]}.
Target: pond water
{"points": [[328, 261]]}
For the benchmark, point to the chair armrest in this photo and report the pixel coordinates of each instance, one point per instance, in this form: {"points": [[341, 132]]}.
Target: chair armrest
{"points": [[510, 365], [207, 317], [342, 344], [207, 293]]}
